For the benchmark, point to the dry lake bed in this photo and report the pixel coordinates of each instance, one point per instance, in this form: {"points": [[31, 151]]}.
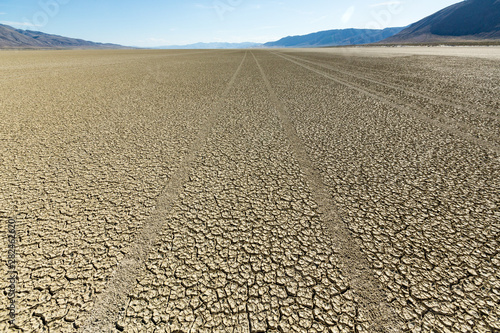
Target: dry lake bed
{"points": [[333, 190]]}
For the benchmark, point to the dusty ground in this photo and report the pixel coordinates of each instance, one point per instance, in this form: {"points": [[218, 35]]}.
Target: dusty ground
{"points": [[250, 191], [486, 52]]}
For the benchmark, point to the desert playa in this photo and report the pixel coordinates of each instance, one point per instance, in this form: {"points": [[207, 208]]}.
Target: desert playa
{"points": [[333, 190], [485, 52]]}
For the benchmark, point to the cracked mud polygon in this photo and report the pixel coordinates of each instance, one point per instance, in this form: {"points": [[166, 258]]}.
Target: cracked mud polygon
{"points": [[250, 191]]}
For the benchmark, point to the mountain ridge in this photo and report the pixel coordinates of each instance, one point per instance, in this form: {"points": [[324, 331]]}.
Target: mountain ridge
{"points": [[213, 45], [335, 37], [470, 20], [17, 38]]}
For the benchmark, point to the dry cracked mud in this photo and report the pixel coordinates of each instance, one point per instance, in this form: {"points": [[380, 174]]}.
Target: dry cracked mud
{"points": [[250, 191]]}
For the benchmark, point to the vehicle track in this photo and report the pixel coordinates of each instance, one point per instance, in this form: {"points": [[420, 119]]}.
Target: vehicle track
{"points": [[380, 314], [245, 249], [304, 190], [398, 183], [112, 300], [442, 122], [374, 74], [468, 108]]}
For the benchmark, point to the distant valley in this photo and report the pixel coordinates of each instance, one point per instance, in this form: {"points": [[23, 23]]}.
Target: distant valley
{"points": [[215, 45]]}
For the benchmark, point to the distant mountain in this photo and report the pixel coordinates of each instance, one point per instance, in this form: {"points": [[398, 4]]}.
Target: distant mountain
{"points": [[471, 20], [335, 38], [17, 38], [212, 46]]}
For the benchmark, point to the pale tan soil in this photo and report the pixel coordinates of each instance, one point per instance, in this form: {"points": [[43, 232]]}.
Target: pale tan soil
{"points": [[486, 52], [250, 191]]}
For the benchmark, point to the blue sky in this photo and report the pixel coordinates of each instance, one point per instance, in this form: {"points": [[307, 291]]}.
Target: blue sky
{"points": [[166, 22]]}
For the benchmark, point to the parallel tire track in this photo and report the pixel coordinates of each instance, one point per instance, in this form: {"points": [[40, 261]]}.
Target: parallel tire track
{"points": [[409, 91], [110, 302], [440, 121], [354, 264]]}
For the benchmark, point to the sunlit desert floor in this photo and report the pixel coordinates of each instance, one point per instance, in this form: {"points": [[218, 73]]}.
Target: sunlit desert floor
{"points": [[334, 190]]}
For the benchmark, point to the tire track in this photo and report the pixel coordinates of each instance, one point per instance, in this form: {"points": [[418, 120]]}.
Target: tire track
{"points": [[409, 91], [245, 249], [110, 302], [353, 262], [439, 121], [443, 119]]}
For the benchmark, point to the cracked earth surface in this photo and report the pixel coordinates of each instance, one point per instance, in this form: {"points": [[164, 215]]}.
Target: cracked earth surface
{"points": [[250, 191]]}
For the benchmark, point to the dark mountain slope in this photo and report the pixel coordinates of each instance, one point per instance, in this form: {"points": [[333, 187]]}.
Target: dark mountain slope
{"points": [[10, 37], [17, 38], [471, 20]]}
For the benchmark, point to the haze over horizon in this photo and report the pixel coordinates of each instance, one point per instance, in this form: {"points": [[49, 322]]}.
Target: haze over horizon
{"points": [[149, 23]]}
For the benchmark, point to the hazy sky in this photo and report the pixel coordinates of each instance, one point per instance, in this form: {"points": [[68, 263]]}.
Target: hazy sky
{"points": [[167, 22]]}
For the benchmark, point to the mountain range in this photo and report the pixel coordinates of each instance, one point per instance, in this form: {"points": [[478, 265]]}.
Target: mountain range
{"points": [[215, 45], [317, 39], [335, 38], [17, 38], [466, 21]]}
